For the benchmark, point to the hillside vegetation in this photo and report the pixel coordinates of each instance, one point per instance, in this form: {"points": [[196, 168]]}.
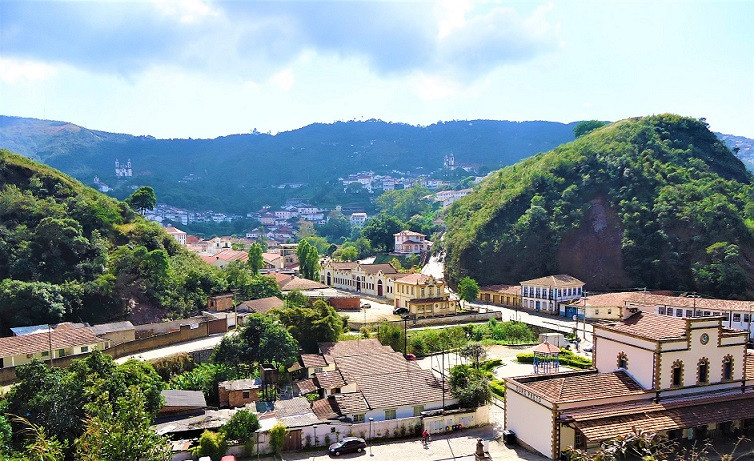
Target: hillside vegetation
{"points": [[653, 202], [70, 253]]}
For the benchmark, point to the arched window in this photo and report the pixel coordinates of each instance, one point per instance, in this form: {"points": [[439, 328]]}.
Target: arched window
{"points": [[677, 374], [623, 361], [702, 374], [728, 368]]}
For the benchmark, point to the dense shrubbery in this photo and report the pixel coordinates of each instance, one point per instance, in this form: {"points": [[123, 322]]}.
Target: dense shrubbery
{"points": [[565, 357], [683, 203]]}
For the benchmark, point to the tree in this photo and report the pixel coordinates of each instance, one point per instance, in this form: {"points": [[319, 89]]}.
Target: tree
{"points": [[380, 231], [41, 446], [312, 325], [212, 444], [277, 437], [587, 126], [260, 340], [142, 199], [336, 228], [390, 334], [256, 261], [120, 431], [346, 253], [308, 260], [30, 303], [475, 352], [470, 386], [403, 204], [468, 289], [241, 426]]}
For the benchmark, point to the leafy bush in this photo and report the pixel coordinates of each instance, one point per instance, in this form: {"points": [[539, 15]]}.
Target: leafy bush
{"points": [[565, 357], [497, 386], [241, 426], [173, 365], [277, 437], [212, 444]]}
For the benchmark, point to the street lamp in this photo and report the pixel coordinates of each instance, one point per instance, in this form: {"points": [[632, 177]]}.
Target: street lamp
{"points": [[370, 435]]}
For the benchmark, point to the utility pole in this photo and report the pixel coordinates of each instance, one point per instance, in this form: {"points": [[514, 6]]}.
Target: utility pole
{"points": [[405, 335], [49, 337]]}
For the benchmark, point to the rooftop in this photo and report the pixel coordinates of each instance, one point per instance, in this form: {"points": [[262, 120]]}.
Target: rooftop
{"points": [[581, 386], [647, 325], [313, 360], [554, 281], [180, 398], [241, 384], [392, 390], [112, 327], [55, 339], [649, 299], [346, 348], [330, 379], [298, 283], [262, 305], [502, 288], [417, 279]]}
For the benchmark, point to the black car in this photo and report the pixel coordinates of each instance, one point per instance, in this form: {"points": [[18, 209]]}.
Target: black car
{"points": [[347, 445], [400, 310]]}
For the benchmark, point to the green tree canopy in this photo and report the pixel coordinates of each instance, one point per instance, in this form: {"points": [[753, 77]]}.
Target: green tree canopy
{"points": [[311, 325], [262, 339], [241, 426], [404, 204], [256, 261], [142, 199], [380, 231], [468, 289], [470, 386], [587, 126]]}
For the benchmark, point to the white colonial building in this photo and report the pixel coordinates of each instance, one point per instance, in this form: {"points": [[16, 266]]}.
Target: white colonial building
{"points": [[177, 234], [545, 294], [684, 378], [408, 242], [370, 279]]}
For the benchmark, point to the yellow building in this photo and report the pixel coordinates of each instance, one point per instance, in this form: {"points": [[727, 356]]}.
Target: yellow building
{"points": [[423, 296], [503, 295]]}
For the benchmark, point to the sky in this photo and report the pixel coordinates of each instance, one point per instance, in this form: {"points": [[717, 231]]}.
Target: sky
{"points": [[202, 69]]}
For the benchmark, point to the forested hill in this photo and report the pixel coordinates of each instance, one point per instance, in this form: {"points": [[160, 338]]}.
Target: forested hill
{"points": [[240, 172], [70, 253], [654, 202]]}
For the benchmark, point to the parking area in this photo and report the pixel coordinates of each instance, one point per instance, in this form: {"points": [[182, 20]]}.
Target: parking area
{"points": [[377, 312]]}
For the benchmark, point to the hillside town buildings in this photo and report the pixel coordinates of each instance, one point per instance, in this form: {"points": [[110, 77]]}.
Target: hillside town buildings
{"points": [[423, 296], [408, 242], [546, 294]]}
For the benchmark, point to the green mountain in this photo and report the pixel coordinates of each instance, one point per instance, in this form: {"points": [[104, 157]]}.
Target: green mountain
{"points": [[239, 173], [70, 253], [655, 202]]}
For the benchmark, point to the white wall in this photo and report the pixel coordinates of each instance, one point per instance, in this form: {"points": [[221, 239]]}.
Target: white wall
{"points": [[640, 361], [529, 420]]}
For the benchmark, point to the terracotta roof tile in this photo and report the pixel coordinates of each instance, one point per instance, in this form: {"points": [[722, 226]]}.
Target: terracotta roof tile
{"points": [[575, 387], [305, 386], [415, 387], [547, 348], [606, 299], [331, 379], [355, 366], [33, 344], [344, 348], [298, 283], [554, 281], [648, 325], [313, 360], [416, 279], [262, 305], [374, 268], [502, 288], [649, 299]]}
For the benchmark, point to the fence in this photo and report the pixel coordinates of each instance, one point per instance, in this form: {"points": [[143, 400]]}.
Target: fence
{"points": [[355, 324], [385, 429]]}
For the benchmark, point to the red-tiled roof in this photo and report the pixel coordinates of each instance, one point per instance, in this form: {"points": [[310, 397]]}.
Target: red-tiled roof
{"points": [[415, 387], [667, 416], [33, 344], [408, 232], [262, 305], [607, 299], [298, 283], [232, 255], [373, 364], [331, 379], [305, 386], [345, 348], [648, 325], [502, 288], [649, 299], [313, 360], [547, 348], [575, 387], [554, 281], [374, 268], [417, 279]]}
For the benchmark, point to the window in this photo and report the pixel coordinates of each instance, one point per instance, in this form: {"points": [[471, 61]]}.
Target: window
{"points": [[679, 312], [689, 313], [61, 352], [746, 318], [45, 353], [246, 394], [703, 371], [623, 360], [418, 410], [609, 312], [389, 414], [596, 312], [84, 349], [539, 292], [727, 368], [677, 379], [358, 418], [661, 310], [669, 311], [578, 440], [736, 317]]}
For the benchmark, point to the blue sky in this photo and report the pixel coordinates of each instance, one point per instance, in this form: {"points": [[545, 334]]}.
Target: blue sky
{"points": [[202, 69]]}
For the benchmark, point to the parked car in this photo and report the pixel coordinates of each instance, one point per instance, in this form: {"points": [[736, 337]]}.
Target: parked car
{"points": [[588, 349], [228, 458], [410, 357], [366, 306], [347, 445], [205, 458], [400, 310]]}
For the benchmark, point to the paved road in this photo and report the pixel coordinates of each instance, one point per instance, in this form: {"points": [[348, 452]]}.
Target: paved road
{"points": [[189, 346]]}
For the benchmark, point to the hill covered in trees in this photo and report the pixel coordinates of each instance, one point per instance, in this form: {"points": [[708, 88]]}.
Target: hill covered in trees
{"points": [[655, 202], [70, 253], [239, 173]]}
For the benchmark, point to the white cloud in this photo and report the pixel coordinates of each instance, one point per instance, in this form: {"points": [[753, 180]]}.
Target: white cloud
{"points": [[187, 11], [15, 71], [283, 79]]}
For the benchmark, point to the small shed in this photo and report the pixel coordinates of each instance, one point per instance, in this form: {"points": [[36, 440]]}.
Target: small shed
{"points": [[239, 392], [179, 402]]}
